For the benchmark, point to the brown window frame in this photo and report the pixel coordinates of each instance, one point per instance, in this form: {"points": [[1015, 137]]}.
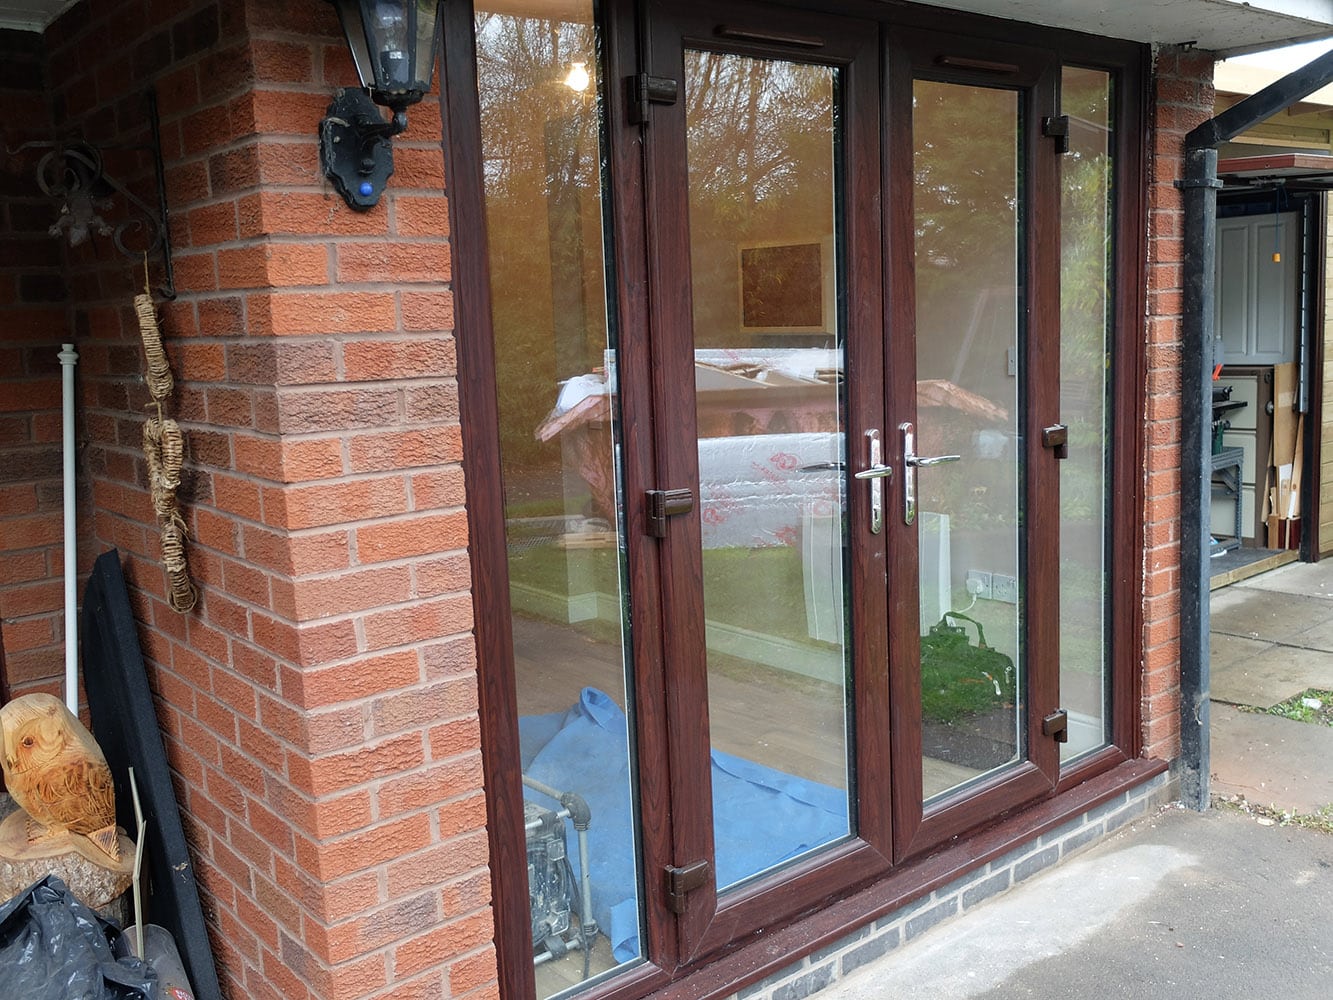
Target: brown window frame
{"points": [[1080, 786]]}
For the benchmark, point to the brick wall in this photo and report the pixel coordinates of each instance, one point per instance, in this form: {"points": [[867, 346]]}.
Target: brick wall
{"points": [[319, 705], [1182, 98], [33, 323]]}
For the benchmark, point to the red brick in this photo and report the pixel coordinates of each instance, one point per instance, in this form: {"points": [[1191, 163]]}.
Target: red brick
{"points": [[237, 496], [340, 815], [473, 972], [416, 536], [200, 362], [281, 62], [385, 452], [32, 633], [187, 183], [422, 790], [435, 489], [428, 311], [420, 216], [22, 567], [455, 658], [302, 214], [358, 851], [453, 738], [212, 224], [440, 863], [288, 163], [265, 265], [351, 681], [420, 168], [324, 642], [366, 762], [335, 503], [353, 980], [393, 262], [331, 312], [221, 316], [287, 461]]}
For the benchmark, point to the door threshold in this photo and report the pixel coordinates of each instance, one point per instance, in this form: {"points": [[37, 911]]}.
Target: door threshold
{"points": [[1241, 564]]}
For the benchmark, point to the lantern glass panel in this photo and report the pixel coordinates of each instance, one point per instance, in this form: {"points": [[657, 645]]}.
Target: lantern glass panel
{"points": [[428, 24], [349, 13], [388, 33]]}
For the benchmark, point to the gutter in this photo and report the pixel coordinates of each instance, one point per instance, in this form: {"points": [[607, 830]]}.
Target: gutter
{"points": [[1200, 352]]}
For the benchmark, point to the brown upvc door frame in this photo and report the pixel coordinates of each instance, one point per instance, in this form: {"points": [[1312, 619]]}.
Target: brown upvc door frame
{"points": [[1034, 74], [480, 429], [711, 924], [889, 827]]}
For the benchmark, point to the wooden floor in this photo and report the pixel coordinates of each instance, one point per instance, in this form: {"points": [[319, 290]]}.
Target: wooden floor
{"points": [[783, 720]]}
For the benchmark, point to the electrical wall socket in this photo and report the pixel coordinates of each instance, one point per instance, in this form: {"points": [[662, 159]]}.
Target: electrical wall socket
{"points": [[979, 584], [1004, 588]]}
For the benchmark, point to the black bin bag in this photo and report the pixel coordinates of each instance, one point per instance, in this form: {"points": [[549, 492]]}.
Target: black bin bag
{"points": [[52, 947]]}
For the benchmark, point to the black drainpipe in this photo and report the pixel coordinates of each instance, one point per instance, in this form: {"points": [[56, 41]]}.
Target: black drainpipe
{"points": [[1200, 185]]}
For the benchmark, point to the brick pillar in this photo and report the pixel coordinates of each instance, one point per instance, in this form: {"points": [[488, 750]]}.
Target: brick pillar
{"points": [[319, 706], [1183, 98]]}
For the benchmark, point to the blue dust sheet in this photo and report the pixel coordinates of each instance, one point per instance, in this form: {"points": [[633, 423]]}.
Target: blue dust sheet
{"points": [[761, 816]]}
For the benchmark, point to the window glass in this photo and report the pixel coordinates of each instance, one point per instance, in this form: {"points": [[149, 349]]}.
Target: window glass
{"points": [[539, 85], [761, 137], [1085, 406]]}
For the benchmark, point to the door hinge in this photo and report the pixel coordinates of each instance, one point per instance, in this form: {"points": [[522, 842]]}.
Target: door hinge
{"points": [[1056, 726], [663, 504], [1057, 128], [1056, 437], [680, 882], [647, 90]]}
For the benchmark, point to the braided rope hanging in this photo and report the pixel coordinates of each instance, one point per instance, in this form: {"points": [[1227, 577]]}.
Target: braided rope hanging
{"points": [[164, 450]]}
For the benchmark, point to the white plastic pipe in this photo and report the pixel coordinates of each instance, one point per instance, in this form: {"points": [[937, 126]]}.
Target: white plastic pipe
{"points": [[68, 359]]}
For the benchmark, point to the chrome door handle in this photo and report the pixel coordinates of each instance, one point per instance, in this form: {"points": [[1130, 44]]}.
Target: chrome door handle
{"points": [[876, 472], [911, 462], [921, 462]]}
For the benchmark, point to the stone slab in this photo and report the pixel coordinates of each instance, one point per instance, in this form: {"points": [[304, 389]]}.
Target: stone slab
{"points": [[1248, 672], [1308, 579], [1270, 760], [1264, 614]]}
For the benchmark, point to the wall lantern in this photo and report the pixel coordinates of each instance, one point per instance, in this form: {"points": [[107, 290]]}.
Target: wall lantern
{"points": [[393, 45]]}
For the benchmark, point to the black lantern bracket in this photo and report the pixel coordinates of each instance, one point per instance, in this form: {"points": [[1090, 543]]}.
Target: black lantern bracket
{"points": [[393, 45], [72, 172], [354, 148]]}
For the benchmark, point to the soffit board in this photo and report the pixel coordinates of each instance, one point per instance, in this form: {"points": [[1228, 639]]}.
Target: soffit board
{"points": [[1216, 25]]}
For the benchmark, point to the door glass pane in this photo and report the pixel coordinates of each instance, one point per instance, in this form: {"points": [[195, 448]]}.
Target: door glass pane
{"points": [[763, 163], [968, 192], [541, 140], [1085, 406]]}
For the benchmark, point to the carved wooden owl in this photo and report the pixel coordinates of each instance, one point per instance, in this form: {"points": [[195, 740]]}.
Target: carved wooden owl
{"points": [[55, 770]]}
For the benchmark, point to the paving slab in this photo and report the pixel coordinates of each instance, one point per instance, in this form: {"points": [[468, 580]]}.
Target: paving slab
{"points": [[1179, 905], [1318, 637], [1270, 760], [1262, 675], [1265, 614], [1314, 579], [1228, 650]]}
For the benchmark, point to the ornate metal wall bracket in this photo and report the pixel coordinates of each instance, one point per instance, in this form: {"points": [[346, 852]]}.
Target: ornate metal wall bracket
{"points": [[72, 173]]}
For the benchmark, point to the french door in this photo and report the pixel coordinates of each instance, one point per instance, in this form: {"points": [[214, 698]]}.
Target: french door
{"points": [[973, 391], [774, 309], [764, 320]]}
